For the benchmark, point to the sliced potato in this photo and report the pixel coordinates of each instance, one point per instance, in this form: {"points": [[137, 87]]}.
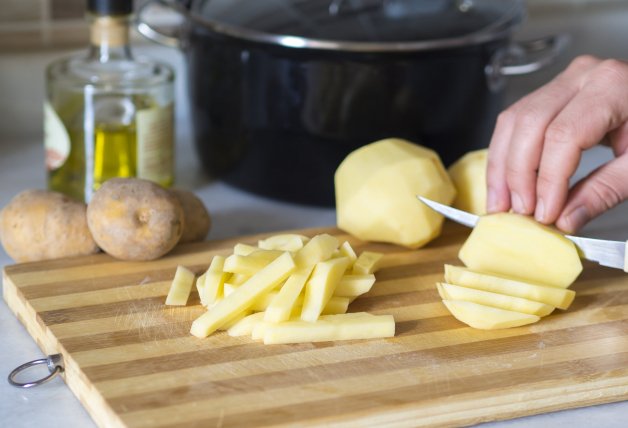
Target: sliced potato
{"points": [[181, 287], [215, 278], [496, 300], [518, 247], [331, 327], [244, 327], [283, 242], [320, 287], [231, 306], [354, 285], [200, 287], [486, 317], [552, 296], [367, 263], [317, 249]]}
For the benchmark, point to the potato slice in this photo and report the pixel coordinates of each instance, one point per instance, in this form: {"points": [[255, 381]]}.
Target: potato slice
{"points": [[245, 265], [215, 278], [487, 317], [552, 296], [519, 247], [229, 288], [319, 248], [331, 327], [283, 242], [367, 263], [244, 249], [260, 283], [288, 297], [376, 187], [354, 285], [181, 287], [234, 321], [496, 300], [264, 302], [200, 287], [337, 305], [346, 250], [320, 287], [469, 176], [245, 326]]}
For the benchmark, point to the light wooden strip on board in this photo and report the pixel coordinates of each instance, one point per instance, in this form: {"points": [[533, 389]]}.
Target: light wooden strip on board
{"points": [[390, 306], [359, 393], [102, 364], [305, 360]]}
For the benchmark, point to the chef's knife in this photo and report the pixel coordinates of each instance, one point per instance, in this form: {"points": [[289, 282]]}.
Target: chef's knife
{"points": [[606, 253]]}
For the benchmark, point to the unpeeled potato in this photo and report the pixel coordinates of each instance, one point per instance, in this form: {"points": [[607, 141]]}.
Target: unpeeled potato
{"points": [[197, 218], [41, 225], [135, 219]]}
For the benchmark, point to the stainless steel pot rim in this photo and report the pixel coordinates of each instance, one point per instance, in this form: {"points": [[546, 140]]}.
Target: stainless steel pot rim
{"points": [[498, 30]]}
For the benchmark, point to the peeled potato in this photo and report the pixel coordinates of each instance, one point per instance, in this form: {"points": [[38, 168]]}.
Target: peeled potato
{"points": [[40, 225], [376, 189], [518, 247], [135, 219], [469, 176]]}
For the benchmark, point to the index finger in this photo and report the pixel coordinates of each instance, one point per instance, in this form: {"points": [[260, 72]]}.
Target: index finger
{"points": [[597, 109]]}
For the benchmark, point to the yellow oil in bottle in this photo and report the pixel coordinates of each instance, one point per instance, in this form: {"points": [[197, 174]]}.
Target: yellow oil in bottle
{"points": [[115, 149], [105, 149]]}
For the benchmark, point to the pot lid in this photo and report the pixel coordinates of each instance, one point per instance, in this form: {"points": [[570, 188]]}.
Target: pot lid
{"points": [[361, 25]]}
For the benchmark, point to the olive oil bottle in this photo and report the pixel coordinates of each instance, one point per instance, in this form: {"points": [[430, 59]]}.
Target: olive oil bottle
{"points": [[108, 114]]}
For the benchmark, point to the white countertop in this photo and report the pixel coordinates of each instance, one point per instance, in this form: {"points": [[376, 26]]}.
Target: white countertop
{"points": [[234, 213]]}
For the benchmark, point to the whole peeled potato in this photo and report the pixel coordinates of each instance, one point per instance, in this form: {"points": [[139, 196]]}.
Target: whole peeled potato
{"points": [[197, 219], [40, 225], [135, 219]]}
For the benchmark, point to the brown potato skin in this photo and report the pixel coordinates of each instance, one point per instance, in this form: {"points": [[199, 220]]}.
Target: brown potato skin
{"points": [[135, 219], [197, 219], [40, 225]]}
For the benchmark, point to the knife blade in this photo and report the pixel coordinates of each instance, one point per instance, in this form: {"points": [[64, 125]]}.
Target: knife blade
{"points": [[604, 252]]}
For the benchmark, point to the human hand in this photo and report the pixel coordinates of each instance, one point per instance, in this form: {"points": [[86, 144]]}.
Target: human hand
{"points": [[538, 143]]}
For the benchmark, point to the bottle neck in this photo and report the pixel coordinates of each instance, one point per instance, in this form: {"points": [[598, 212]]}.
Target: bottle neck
{"points": [[109, 36]]}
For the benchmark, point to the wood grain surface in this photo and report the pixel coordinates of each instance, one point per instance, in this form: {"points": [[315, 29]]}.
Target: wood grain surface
{"points": [[132, 362]]}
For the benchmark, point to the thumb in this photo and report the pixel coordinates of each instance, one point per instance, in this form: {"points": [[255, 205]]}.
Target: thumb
{"points": [[600, 191]]}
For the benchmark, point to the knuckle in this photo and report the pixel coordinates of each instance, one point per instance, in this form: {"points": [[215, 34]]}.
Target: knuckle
{"points": [[560, 133], [583, 62], [506, 118], [606, 193], [611, 71]]}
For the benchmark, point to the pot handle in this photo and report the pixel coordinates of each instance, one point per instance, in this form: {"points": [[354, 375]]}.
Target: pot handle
{"points": [[524, 57], [173, 39]]}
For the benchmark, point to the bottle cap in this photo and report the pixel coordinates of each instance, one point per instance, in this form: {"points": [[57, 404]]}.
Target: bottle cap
{"points": [[110, 7]]}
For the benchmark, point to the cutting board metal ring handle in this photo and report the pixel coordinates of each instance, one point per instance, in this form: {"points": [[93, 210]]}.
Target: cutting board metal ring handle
{"points": [[55, 366]]}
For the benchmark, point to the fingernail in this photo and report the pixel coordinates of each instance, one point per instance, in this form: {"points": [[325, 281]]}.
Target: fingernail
{"points": [[491, 200], [539, 213], [577, 218], [517, 204]]}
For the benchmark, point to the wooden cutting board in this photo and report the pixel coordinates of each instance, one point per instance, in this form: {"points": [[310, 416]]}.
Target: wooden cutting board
{"points": [[132, 362]]}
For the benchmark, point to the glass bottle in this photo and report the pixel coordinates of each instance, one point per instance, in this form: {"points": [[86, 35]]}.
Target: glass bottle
{"points": [[108, 114]]}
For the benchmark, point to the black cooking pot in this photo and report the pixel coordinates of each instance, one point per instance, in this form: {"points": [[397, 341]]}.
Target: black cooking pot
{"points": [[282, 90]]}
